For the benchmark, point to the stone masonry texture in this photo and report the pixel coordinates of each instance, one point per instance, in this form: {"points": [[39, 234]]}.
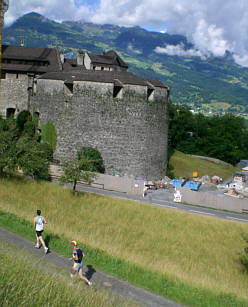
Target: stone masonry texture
{"points": [[130, 133]]}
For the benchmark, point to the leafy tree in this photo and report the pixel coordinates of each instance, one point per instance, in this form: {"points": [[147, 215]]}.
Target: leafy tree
{"points": [[92, 159], [22, 118], [20, 148], [48, 135], [7, 144], [223, 137], [33, 158], [83, 167]]}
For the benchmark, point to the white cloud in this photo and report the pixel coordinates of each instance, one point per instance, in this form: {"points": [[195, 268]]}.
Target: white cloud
{"points": [[58, 10], [213, 26], [179, 50], [130, 47]]}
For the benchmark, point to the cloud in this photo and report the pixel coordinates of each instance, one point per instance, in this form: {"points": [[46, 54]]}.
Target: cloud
{"points": [[179, 50], [57, 10], [213, 26], [132, 49]]}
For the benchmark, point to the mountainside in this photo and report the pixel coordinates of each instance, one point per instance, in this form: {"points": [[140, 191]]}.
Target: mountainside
{"points": [[214, 83]]}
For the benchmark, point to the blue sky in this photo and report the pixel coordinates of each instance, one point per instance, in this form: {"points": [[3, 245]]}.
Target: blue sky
{"points": [[213, 26]]}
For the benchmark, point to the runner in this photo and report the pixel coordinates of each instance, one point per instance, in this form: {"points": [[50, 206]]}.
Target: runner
{"points": [[39, 222], [77, 256]]}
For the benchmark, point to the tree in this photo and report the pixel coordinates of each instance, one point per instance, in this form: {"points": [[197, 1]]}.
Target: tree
{"points": [[22, 118], [20, 148], [223, 137], [92, 159], [83, 167], [33, 158], [7, 144]]}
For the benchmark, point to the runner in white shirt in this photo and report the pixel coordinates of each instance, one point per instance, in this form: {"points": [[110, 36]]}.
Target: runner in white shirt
{"points": [[39, 222]]}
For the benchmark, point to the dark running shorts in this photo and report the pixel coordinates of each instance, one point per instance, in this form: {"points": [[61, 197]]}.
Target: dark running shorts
{"points": [[39, 233]]}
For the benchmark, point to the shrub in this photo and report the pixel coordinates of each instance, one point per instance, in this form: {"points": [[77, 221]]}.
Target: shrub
{"points": [[91, 160], [22, 118]]}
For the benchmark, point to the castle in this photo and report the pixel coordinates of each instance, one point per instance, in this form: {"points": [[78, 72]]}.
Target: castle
{"points": [[91, 101]]}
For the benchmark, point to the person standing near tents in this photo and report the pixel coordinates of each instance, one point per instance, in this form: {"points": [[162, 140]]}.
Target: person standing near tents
{"points": [[39, 222]]}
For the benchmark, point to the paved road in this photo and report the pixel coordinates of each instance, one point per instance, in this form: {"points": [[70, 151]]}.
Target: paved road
{"points": [[111, 283], [156, 199]]}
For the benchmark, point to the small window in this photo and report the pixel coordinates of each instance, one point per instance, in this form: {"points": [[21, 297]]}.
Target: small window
{"points": [[102, 68], [68, 88], [94, 67], [150, 94], [17, 76], [117, 92], [10, 112]]}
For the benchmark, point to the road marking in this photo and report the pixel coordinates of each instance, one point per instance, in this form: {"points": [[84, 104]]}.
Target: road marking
{"points": [[235, 218], [170, 207], [200, 212]]}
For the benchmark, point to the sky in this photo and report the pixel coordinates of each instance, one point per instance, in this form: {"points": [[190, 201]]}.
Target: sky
{"points": [[213, 26]]}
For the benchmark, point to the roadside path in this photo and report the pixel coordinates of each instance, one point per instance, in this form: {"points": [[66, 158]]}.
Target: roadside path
{"points": [[101, 279], [158, 200]]}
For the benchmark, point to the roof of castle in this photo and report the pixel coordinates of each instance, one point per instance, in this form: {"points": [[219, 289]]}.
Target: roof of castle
{"points": [[119, 77], [71, 65], [30, 59], [108, 58]]}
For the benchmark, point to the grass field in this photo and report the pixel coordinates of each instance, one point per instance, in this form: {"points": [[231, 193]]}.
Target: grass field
{"points": [[184, 165], [192, 259], [29, 281]]}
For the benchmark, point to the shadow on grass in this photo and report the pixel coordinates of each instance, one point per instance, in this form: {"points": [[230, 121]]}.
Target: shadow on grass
{"points": [[51, 238], [90, 271]]}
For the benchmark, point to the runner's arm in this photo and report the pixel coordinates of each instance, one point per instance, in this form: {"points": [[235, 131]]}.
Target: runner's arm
{"points": [[35, 220], [44, 221]]}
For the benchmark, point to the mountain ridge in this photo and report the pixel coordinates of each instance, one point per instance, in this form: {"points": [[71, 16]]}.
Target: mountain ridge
{"points": [[214, 83]]}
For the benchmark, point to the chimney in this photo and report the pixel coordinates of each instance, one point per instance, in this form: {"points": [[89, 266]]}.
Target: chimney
{"points": [[22, 41], [80, 58], [62, 56]]}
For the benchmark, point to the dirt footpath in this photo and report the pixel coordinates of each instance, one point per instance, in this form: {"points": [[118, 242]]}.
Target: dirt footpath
{"points": [[101, 279]]}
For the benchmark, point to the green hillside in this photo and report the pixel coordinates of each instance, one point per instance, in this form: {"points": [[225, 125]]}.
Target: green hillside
{"points": [[215, 83], [184, 165]]}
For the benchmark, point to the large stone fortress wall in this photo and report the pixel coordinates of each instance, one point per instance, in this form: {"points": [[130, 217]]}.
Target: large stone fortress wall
{"points": [[130, 132], [92, 101]]}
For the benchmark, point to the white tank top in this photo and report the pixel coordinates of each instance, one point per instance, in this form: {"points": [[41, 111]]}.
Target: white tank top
{"points": [[39, 223]]}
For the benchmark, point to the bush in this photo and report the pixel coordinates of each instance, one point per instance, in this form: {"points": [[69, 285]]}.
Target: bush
{"points": [[48, 135], [93, 158], [22, 118]]}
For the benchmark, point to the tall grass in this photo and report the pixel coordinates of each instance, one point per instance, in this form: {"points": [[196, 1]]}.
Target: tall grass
{"points": [[200, 251], [25, 281]]}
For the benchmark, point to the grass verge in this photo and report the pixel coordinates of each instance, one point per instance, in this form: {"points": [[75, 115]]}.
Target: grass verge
{"points": [[155, 282], [34, 282]]}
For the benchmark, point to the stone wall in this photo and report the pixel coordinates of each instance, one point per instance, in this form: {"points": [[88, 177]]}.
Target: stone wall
{"points": [[14, 92], [212, 200], [130, 133]]}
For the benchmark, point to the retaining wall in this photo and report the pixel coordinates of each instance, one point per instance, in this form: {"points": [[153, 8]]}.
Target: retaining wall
{"points": [[214, 200]]}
